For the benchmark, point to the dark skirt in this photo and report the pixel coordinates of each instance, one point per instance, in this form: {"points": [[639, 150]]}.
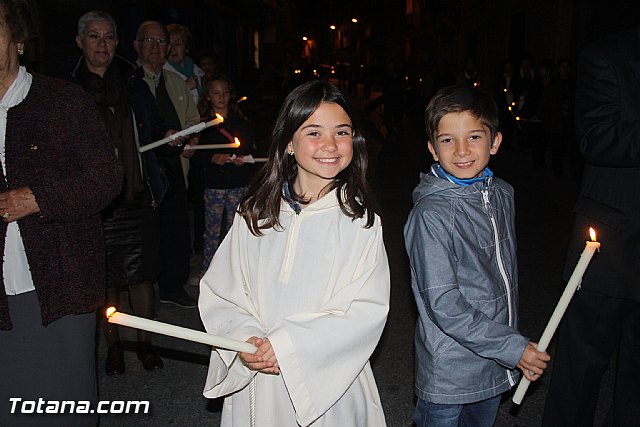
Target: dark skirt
{"points": [[55, 363], [132, 243]]}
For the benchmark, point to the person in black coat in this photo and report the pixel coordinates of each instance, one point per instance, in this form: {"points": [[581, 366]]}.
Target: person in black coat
{"points": [[128, 111], [605, 313]]}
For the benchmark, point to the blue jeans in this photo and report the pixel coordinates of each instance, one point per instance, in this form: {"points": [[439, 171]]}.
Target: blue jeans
{"points": [[478, 414]]}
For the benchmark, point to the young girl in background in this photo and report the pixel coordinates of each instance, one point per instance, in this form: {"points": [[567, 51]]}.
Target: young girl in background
{"points": [[224, 172], [303, 276]]}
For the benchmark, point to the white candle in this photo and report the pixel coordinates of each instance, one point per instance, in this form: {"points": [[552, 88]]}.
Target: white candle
{"points": [[573, 284], [234, 144], [185, 132], [177, 331], [211, 146]]}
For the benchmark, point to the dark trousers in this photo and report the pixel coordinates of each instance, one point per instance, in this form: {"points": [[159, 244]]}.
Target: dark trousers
{"points": [[41, 364], [594, 326], [175, 244]]}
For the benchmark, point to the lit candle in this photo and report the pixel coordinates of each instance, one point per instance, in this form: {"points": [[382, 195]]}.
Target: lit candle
{"points": [[235, 144], [561, 307], [136, 322], [185, 132], [248, 158]]}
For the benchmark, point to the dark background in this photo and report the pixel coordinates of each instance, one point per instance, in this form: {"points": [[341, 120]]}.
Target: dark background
{"points": [[259, 42]]}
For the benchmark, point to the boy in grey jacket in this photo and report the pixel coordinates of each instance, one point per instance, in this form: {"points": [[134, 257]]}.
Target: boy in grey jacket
{"points": [[460, 237]]}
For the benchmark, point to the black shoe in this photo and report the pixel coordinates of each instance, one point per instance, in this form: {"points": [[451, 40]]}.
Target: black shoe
{"points": [[115, 361], [184, 301], [147, 355]]}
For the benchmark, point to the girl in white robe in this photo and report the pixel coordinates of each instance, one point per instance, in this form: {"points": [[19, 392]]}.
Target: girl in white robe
{"points": [[303, 276]]}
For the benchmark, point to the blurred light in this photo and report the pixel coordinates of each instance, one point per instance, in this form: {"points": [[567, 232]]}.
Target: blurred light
{"points": [[333, 27], [354, 20], [304, 38], [505, 90]]}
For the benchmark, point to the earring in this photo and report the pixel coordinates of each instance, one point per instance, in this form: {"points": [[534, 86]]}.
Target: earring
{"points": [[20, 49], [291, 153]]}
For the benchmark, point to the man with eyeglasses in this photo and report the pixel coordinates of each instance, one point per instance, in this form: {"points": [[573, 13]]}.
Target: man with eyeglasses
{"points": [[179, 111]]}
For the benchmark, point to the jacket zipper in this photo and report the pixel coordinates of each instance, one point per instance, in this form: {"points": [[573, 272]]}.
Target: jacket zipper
{"points": [[503, 273]]}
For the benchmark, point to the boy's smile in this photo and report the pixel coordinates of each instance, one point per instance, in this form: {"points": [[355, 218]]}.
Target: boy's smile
{"points": [[463, 145]]}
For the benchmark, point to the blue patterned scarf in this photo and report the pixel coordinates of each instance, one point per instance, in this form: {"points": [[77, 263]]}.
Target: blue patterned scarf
{"points": [[436, 170]]}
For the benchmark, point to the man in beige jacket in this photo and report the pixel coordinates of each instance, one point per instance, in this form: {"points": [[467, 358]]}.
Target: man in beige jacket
{"points": [[178, 110]]}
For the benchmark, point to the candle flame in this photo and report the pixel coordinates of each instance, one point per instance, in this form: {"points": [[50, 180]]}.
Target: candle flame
{"points": [[518, 118], [244, 98], [592, 233], [111, 311], [219, 117], [237, 141]]}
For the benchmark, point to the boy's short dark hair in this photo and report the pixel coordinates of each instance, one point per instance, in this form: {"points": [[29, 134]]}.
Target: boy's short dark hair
{"points": [[456, 99]]}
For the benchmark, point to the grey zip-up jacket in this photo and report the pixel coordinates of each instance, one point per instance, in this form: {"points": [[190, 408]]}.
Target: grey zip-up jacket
{"points": [[462, 247]]}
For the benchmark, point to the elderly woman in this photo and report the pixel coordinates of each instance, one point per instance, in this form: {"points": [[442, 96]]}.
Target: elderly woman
{"points": [[180, 63], [58, 172], [129, 113]]}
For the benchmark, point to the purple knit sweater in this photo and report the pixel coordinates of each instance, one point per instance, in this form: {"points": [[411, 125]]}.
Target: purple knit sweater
{"points": [[57, 146]]}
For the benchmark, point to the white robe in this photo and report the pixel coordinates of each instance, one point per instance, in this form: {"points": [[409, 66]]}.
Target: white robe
{"points": [[319, 290]]}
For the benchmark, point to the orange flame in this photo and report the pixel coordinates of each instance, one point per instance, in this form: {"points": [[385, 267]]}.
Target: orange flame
{"points": [[592, 233], [237, 141], [111, 311], [219, 117]]}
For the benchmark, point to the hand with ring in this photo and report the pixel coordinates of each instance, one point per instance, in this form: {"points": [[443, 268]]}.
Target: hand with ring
{"points": [[20, 201]]}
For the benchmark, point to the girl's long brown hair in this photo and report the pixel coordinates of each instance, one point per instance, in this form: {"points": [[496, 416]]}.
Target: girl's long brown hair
{"points": [[260, 207]]}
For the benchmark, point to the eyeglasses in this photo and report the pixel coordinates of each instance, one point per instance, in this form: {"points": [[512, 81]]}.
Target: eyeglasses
{"points": [[152, 40]]}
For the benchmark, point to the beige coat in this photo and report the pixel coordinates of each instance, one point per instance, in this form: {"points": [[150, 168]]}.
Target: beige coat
{"points": [[182, 101]]}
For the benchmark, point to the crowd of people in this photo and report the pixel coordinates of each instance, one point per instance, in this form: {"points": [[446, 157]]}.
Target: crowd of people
{"points": [[293, 256]]}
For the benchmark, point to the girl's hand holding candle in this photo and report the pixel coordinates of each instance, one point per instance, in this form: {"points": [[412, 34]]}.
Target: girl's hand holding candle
{"points": [[123, 319], [573, 284]]}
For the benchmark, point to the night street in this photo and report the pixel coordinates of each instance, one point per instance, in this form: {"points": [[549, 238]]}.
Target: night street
{"points": [[543, 203]]}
